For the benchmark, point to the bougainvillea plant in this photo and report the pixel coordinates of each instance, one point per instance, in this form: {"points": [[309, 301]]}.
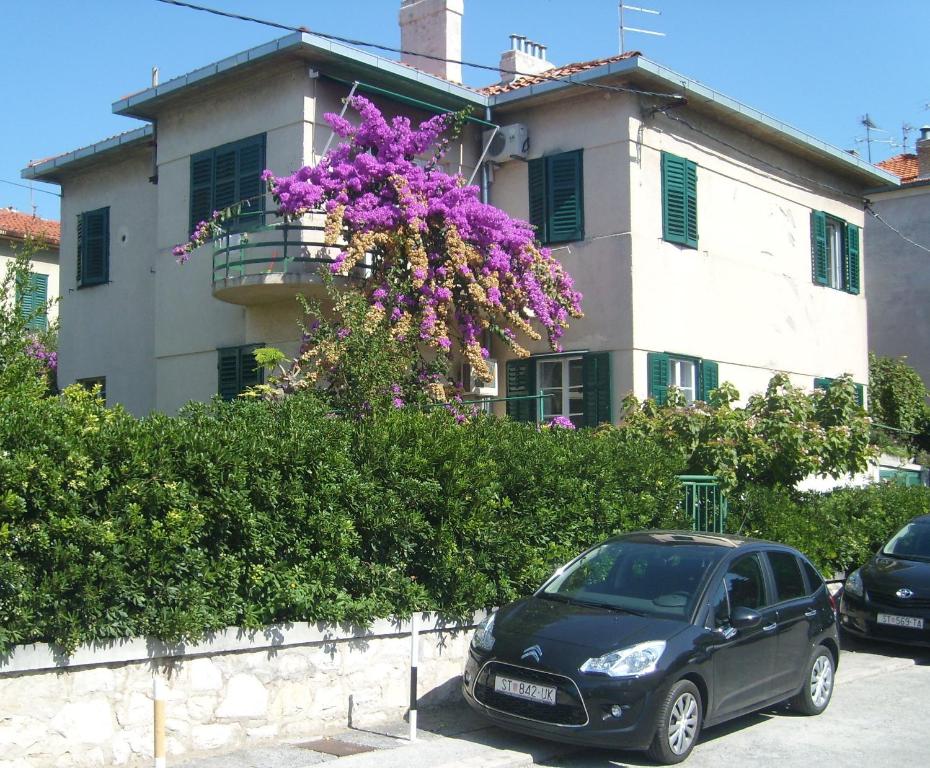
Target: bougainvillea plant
{"points": [[444, 266]]}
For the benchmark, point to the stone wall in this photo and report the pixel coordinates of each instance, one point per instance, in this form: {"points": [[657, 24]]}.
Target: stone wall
{"points": [[94, 708]]}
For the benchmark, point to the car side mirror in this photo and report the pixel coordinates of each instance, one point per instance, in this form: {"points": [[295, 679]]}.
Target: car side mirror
{"points": [[745, 618]]}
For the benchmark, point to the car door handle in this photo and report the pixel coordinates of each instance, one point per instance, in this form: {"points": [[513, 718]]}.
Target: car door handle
{"points": [[811, 613], [769, 627]]}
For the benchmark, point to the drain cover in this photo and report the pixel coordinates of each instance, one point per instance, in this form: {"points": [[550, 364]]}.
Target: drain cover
{"points": [[335, 747]]}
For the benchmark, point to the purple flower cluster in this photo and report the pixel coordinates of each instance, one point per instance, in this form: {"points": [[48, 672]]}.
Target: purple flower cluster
{"points": [[562, 422], [46, 357], [445, 265]]}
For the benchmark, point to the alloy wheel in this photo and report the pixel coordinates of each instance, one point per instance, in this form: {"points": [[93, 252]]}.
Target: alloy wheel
{"points": [[682, 723], [821, 682]]}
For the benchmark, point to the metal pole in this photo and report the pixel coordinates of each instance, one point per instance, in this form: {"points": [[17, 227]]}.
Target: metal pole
{"points": [[158, 695], [345, 106], [414, 653]]}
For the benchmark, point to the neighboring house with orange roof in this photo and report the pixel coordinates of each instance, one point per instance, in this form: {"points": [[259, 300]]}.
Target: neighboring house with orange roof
{"points": [[711, 241], [15, 229], [897, 264]]}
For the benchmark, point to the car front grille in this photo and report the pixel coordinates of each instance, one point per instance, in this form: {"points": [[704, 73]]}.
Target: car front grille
{"points": [[892, 600], [568, 710]]}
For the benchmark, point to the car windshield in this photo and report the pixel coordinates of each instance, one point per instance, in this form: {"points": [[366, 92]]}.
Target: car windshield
{"points": [[912, 542], [648, 579]]}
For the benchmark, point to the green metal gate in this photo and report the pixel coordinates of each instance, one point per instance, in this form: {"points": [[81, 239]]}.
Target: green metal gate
{"points": [[705, 502]]}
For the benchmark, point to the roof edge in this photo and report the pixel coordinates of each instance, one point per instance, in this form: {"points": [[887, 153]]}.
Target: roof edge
{"points": [[680, 85], [129, 105], [46, 170]]}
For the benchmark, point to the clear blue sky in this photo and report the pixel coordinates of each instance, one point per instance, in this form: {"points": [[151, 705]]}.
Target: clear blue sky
{"points": [[818, 65]]}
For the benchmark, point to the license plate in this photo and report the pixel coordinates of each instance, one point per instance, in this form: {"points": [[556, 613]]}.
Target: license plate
{"points": [[522, 690], [900, 621]]}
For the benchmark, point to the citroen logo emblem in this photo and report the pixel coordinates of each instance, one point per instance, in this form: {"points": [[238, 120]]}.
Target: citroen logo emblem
{"points": [[534, 652], [904, 593]]}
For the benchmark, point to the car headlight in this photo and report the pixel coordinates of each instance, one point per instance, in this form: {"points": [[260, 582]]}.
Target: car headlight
{"points": [[634, 661], [854, 584], [483, 639]]}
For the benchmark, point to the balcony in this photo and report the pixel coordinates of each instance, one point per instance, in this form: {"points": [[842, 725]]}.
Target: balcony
{"points": [[272, 262]]}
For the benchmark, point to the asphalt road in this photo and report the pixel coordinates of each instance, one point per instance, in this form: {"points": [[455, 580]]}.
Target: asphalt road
{"points": [[878, 717]]}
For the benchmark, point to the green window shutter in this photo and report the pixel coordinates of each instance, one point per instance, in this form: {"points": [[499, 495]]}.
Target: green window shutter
{"points": [[80, 248], [852, 262], [250, 374], [674, 199], [521, 381], [228, 372], [860, 395], [564, 197], [94, 247], [596, 380], [819, 263], [225, 176], [251, 159], [822, 383], [691, 213], [536, 174], [34, 301], [201, 188], [657, 363], [709, 378]]}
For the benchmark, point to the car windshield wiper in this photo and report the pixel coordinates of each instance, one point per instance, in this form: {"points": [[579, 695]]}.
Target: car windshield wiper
{"points": [[907, 556], [608, 606]]}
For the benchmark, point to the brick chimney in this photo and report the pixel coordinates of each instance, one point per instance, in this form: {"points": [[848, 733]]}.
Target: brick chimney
{"points": [[525, 57], [433, 27], [923, 153]]}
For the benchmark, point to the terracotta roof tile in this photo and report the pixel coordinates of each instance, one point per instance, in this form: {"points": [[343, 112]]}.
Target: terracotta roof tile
{"points": [[19, 225], [903, 166], [555, 73]]}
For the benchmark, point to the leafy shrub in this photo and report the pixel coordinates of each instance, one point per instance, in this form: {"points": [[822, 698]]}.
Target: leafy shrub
{"points": [[839, 530], [249, 513]]}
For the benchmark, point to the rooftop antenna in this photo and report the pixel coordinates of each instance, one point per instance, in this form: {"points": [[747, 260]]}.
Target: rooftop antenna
{"points": [[623, 28], [870, 126], [906, 129]]}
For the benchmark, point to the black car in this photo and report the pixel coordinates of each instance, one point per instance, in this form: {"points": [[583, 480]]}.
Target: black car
{"points": [[889, 597], [645, 638]]}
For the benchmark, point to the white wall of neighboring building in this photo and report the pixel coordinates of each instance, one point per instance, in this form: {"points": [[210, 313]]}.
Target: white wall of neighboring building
{"points": [[43, 262], [899, 276], [109, 329]]}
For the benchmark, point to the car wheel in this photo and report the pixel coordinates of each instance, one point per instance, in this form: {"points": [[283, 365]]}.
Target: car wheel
{"points": [[814, 697], [678, 724]]}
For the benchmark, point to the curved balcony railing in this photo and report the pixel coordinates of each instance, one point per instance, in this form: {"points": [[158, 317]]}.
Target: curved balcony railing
{"points": [[272, 261]]}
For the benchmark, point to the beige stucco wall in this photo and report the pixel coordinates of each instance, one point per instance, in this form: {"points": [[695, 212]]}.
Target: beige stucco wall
{"points": [[601, 264], [744, 297], [109, 330], [43, 262]]}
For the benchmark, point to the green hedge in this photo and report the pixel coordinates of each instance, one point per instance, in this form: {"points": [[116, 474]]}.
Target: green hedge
{"points": [[839, 531], [250, 513]]}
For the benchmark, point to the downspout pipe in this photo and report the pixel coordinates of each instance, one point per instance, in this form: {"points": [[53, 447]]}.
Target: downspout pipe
{"points": [[485, 178]]}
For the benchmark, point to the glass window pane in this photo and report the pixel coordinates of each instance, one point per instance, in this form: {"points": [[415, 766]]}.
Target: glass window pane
{"points": [[550, 375], [575, 371], [788, 580], [745, 584]]}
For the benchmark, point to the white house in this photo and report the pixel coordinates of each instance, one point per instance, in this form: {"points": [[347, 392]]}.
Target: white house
{"points": [[15, 228], [712, 242]]}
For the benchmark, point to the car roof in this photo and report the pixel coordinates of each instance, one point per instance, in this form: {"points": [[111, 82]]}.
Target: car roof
{"points": [[697, 538]]}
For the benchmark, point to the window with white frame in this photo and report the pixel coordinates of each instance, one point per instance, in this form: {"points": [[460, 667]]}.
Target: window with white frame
{"points": [[682, 373], [835, 252], [561, 380]]}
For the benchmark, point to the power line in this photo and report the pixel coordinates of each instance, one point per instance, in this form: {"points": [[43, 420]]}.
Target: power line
{"points": [[389, 49], [898, 232], [32, 189], [756, 158]]}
